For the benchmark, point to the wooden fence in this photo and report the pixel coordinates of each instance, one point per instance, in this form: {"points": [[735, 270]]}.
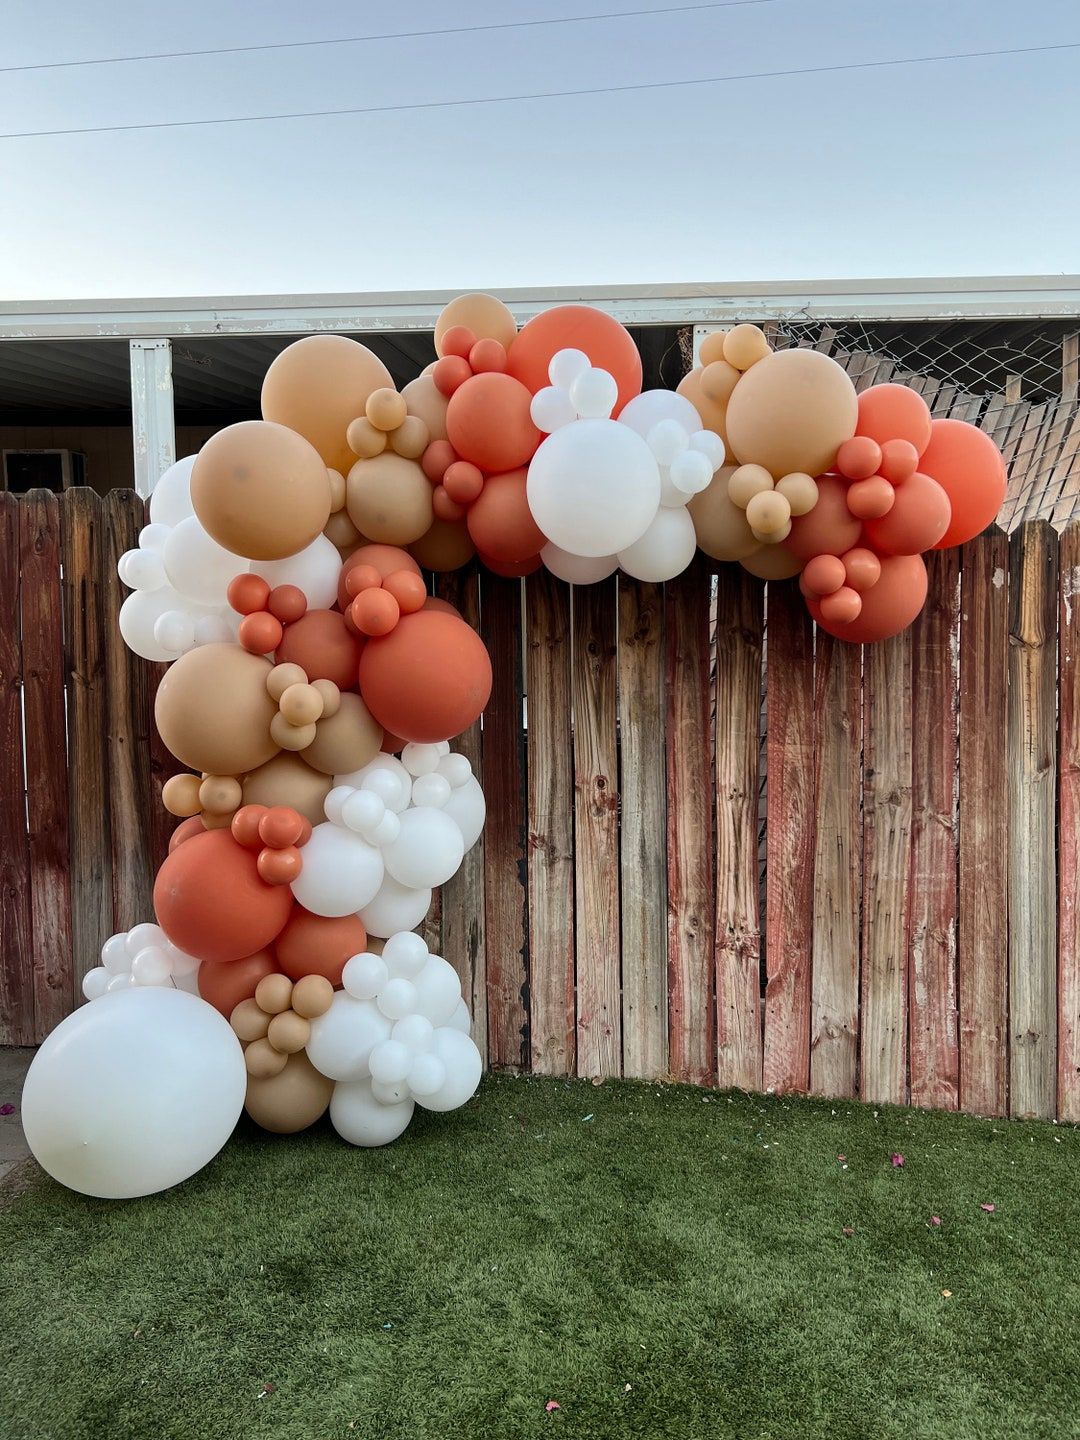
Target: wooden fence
{"points": [[907, 931]]}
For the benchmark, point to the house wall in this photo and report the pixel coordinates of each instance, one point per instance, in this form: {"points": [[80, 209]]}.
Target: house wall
{"points": [[108, 448]]}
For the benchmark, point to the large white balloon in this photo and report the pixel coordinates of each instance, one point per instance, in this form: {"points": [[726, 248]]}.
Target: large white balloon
{"points": [[134, 1093], [438, 991], [651, 406], [463, 1065], [343, 1038], [428, 848], [170, 501], [197, 566], [467, 808], [341, 872], [362, 1120], [394, 908], [666, 548], [578, 569], [314, 570], [593, 487]]}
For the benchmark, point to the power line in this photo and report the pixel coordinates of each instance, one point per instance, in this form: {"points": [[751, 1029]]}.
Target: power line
{"points": [[387, 35], [536, 95]]}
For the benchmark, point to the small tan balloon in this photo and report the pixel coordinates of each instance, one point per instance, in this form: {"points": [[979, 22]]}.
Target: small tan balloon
{"points": [[346, 741], [791, 412], [260, 490], [180, 795], [712, 415], [337, 490], [292, 1099], [712, 348], [301, 705], [427, 402], [220, 794], [213, 712], [487, 317], [718, 380], [745, 346], [291, 737], [364, 440], [262, 1060], [312, 996], [217, 819], [319, 384], [800, 491], [343, 534], [274, 994], [288, 1032], [389, 499], [281, 677], [329, 696], [249, 1021], [773, 537], [767, 514], [289, 780], [746, 482], [411, 438], [385, 409], [772, 562], [722, 531], [446, 546]]}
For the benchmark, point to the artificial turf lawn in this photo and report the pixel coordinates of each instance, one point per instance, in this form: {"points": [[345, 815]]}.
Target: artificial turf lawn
{"points": [[660, 1261]]}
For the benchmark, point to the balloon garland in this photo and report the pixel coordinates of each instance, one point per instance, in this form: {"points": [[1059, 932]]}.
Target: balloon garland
{"points": [[315, 686]]}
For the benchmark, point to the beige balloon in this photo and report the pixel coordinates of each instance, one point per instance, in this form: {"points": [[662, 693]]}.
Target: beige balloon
{"points": [[712, 415], [292, 1099], [289, 1032], [180, 795], [411, 438], [791, 412], [745, 346], [427, 402], [800, 491], [389, 499], [337, 491], [712, 348], [746, 482], [319, 384], [772, 562], [213, 712], [446, 546], [289, 780], [346, 741], [343, 534], [260, 490], [722, 531], [249, 1021], [385, 409], [487, 317], [263, 1061]]}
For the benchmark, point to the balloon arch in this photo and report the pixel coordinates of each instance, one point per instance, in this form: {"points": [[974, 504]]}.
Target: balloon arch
{"points": [[316, 687]]}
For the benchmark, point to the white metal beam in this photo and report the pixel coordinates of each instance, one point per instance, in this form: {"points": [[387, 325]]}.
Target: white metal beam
{"points": [[152, 419]]}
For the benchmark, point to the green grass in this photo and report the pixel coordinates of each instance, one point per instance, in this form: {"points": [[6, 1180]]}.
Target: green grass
{"points": [[660, 1261]]}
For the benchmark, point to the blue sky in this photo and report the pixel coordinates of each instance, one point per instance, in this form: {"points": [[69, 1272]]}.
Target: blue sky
{"points": [[961, 168]]}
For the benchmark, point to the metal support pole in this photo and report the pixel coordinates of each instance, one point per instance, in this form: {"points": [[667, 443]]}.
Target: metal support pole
{"points": [[153, 427]]}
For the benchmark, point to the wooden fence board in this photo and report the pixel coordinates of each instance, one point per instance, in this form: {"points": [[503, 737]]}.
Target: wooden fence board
{"points": [[1068, 945], [691, 1038], [596, 815], [789, 872], [551, 825], [643, 793], [1032, 787], [46, 759], [982, 804], [934, 1050], [834, 1037], [16, 955], [887, 743]]}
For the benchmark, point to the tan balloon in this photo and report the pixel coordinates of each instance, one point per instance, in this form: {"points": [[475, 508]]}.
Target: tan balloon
{"points": [[289, 780], [263, 1061], [213, 712], [800, 491], [312, 996], [319, 384], [180, 795], [746, 482], [274, 994], [411, 438], [446, 546], [343, 534], [288, 1032], [346, 741], [712, 415], [385, 409], [721, 527], [712, 348], [769, 515], [220, 794], [772, 562], [365, 439], [745, 346], [427, 402], [717, 382], [791, 412], [249, 1021], [282, 677], [337, 490], [292, 1099], [487, 317], [389, 499]]}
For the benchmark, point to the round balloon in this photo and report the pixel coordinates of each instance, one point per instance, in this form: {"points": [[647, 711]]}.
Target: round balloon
{"points": [[389, 499], [652, 406], [888, 607], [916, 521], [213, 712], [791, 412], [291, 1100], [578, 569], [362, 1120], [426, 402], [485, 315], [341, 873], [969, 467], [447, 545], [224, 984], [288, 780], [829, 528], [317, 386], [894, 412], [212, 903], [395, 908], [488, 422], [500, 522], [346, 740], [593, 487], [319, 944], [170, 499], [323, 646], [429, 679], [665, 550], [713, 413], [721, 526], [608, 345], [315, 571]]}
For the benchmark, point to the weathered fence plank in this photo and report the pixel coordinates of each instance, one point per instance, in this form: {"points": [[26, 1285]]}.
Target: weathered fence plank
{"points": [[16, 963], [1068, 944]]}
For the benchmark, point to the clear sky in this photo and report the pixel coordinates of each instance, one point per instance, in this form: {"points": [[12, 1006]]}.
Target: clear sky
{"points": [[967, 168]]}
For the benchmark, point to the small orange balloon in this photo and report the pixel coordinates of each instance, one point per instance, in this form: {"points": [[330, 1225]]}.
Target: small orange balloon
{"points": [[862, 569], [488, 422], [362, 577], [463, 482], [899, 459], [245, 826], [444, 508], [823, 575], [287, 603], [279, 867], [437, 459], [450, 373], [487, 356], [186, 831], [375, 612], [842, 606], [870, 499], [260, 633], [322, 646], [280, 826], [248, 593], [859, 457], [383, 559], [408, 590], [457, 340], [893, 412], [830, 528]]}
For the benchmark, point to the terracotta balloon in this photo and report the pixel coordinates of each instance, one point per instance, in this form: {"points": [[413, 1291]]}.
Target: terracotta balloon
{"points": [[347, 740], [383, 558], [500, 521], [511, 569], [485, 315], [893, 412], [425, 400], [791, 412], [772, 562], [288, 780], [969, 467], [713, 415], [315, 945], [389, 499], [260, 490], [446, 546], [608, 345], [224, 984], [721, 525], [213, 712], [185, 831], [916, 521], [322, 646], [429, 679], [488, 422], [830, 528], [317, 385], [291, 1100], [211, 903], [888, 607]]}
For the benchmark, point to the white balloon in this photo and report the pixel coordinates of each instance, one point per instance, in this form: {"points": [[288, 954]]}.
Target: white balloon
{"points": [[457, 769], [593, 487], [431, 790], [651, 406], [390, 1094], [343, 1038], [387, 776], [170, 500], [420, 759], [593, 394], [139, 614], [427, 1075], [133, 1095], [151, 967], [140, 936], [666, 548], [141, 569], [551, 409], [428, 849], [341, 872], [394, 908], [416, 1032], [153, 537], [387, 830], [363, 976], [314, 570], [463, 1069], [181, 962], [360, 1119], [578, 569], [438, 991], [468, 809], [565, 366], [214, 629], [390, 1062], [175, 630], [94, 982], [667, 440], [691, 472], [114, 954], [461, 1020], [362, 811], [710, 445], [397, 998], [405, 954], [334, 804], [197, 566]]}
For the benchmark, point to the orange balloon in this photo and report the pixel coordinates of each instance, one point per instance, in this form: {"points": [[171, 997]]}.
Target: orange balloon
{"points": [[375, 612], [317, 386], [862, 568], [870, 499], [189, 828], [211, 903], [609, 346], [429, 679], [248, 593], [408, 589], [501, 523], [318, 945], [842, 606], [918, 518], [384, 559], [279, 867], [436, 602], [323, 647], [488, 422], [858, 458], [893, 412], [512, 569], [899, 459], [225, 984], [889, 607], [969, 467], [823, 575], [260, 633], [828, 529]]}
